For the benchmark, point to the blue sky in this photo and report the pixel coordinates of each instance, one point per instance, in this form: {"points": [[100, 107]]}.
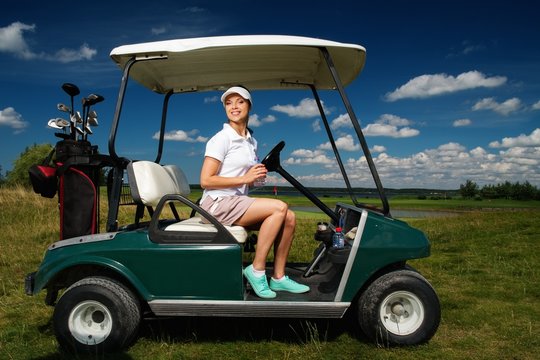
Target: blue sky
{"points": [[450, 90]]}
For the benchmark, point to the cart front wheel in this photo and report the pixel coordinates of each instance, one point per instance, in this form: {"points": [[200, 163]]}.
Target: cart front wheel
{"points": [[96, 315], [399, 308]]}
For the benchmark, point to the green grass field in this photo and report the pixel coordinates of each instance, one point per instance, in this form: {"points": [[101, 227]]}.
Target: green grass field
{"points": [[484, 266]]}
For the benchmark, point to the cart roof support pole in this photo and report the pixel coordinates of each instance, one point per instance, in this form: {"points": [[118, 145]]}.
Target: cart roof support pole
{"points": [[358, 129], [333, 143]]}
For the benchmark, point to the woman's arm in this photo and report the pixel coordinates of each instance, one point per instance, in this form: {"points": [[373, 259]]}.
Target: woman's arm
{"points": [[210, 180]]}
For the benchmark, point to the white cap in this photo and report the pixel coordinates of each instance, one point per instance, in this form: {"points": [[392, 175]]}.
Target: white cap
{"points": [[237, 90]]}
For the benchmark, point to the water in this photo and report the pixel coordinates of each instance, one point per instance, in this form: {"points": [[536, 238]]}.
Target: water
{"points": [[398, 213]]}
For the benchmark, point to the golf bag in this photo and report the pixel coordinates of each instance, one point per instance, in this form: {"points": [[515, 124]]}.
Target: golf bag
{"points": [[75, 175], [78, 188]]}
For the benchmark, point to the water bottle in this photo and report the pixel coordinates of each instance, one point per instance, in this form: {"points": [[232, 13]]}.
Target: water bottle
{"points": [[338, 239], [260, 181]]}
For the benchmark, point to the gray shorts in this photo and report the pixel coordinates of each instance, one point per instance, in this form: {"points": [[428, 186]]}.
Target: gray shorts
{"points": [[227, 209]]}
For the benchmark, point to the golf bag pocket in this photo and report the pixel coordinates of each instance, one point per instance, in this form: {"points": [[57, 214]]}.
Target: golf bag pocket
{"points": [[44, 180], [78, 201]]}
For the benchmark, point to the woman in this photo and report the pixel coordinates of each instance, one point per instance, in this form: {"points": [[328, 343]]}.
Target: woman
{"points": [[230, 166]]}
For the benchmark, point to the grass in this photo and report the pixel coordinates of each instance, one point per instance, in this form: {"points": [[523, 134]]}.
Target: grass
{"points": [[484, 266]]}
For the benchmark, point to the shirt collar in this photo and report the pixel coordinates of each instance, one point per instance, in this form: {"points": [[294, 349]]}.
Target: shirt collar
{"points": [[235, 135]]}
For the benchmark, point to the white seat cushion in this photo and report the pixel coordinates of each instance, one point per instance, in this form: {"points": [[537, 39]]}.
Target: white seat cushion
{"points": [[149, 182], [195, 224]]}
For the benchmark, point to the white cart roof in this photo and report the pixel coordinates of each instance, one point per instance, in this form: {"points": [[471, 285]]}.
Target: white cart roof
{"points": [[255, 61]]}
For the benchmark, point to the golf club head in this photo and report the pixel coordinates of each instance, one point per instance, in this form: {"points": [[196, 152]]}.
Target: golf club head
{"points": [[88, 130], [93, 99], [63, 108], [52, 124], [79, 131], [92, 118], [92, 121], [71, 89], [76, 118], [62, 123]]}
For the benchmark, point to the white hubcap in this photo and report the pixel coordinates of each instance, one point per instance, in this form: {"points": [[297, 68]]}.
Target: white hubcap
{"points": [[401, 313], [90, 322]]}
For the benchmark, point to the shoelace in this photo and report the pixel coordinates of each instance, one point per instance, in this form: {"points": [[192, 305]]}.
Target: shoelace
{"points": [[264, 284]]}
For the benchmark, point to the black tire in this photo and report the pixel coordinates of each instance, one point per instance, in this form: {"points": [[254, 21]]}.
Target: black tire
{"points": [[96, 315], [399, 308]]}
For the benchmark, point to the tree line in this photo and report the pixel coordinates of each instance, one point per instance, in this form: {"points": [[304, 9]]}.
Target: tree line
{"points": [[506, 190]]}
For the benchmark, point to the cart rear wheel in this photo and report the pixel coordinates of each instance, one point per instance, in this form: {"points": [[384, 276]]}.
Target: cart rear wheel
{"points": [[96, 315], [399, 308]]}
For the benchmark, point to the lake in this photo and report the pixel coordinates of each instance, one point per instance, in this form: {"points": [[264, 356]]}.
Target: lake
{"points": [[397, 213]]}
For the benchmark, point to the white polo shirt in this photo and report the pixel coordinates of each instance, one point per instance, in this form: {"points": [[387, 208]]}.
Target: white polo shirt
{"points": [[236, 154]]}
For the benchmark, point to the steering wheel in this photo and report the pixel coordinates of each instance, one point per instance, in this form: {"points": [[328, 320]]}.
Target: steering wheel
{"points": [[271, 161]]}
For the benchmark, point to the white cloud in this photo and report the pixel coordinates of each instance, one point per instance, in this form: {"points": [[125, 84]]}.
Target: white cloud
{"points": [[70, 55], [462, 122], [305, 109], [533, 139], [342, 121], [11, 118], [536, 105], [378, 149], [469, 48], [437, 84], [12, 41], [389, 125], [158, 30], [503, 108], [444, 167], [181, 135], [307, 153], [389, 130], [254, 120], [393, 120], [316, 125], [343, 143], [211, 99], [449, 165], [308, 157]]}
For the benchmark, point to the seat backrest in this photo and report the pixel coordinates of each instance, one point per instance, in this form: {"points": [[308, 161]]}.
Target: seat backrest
{"points": [[149, 182], [179, 178]]}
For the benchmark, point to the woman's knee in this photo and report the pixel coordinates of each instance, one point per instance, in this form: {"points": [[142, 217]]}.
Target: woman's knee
{"points": [[280, 207], [290, 219]]}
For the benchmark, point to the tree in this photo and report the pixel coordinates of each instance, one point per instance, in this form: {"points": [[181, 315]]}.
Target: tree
{"points": [[469, 190], [30, 156]]}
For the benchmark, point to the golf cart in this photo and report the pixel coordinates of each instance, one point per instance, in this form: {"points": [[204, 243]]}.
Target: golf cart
{"points": [[160, 267]]}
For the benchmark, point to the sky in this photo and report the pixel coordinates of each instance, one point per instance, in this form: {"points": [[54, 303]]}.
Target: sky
{"points": [[450, 91]]}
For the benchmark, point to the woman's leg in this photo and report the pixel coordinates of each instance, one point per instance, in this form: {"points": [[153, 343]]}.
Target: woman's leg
{"points": [[283, 243], [276, 228]]}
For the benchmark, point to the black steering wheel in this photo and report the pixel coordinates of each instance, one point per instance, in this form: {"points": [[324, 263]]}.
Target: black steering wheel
{"points": [[271, 161]]}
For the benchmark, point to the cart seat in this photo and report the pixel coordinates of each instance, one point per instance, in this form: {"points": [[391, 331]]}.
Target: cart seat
{"points": [[195, 224], [149, 182]]}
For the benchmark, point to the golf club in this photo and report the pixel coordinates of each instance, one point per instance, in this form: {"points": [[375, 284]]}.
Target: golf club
{"points": [[72, 90], [92, 118], [52, 124], [62, 123], [87, 102], [63, 108]]}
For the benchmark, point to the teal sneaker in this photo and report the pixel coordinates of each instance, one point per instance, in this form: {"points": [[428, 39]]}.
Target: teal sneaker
{"points": [[259, 285], [288, 285]]}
